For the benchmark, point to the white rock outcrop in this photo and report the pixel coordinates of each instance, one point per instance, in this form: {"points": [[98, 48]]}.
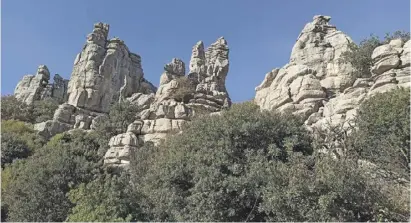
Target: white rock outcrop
{"points": [[319, 86], [37, 87], [178, 99], [104, 71]]}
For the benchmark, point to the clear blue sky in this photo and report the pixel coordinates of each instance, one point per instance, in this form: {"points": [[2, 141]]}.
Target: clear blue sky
{"points": [[260, 33]]}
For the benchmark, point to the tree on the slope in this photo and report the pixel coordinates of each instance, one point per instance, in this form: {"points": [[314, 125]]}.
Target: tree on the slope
{"points": [[359, 56], [37, 189]]}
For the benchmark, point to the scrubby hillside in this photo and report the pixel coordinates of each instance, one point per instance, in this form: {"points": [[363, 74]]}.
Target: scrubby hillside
{"points": [[327, 137]]}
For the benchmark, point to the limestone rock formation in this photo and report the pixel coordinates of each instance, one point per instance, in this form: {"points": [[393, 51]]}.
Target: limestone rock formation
{"points": [[208, 71], [315, 71], [37, 87], [120, 148], [178, 99], [105, 71], [388, 72], [319, 86]]}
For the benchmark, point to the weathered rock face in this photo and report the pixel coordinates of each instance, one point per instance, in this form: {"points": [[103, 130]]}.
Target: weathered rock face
{"points": [[294, 88], [391, 70], [59, 89], [105, 71], [318, 86], [37, 87], [120, 148], [320, 47], [208, 71], [314, 72], [178, 99]]}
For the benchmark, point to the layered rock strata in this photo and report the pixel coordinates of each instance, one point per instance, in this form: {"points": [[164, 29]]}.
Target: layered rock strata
{"points": [[179, 98], [319, 86], [104, 71], [391, 70], [37, 87]]}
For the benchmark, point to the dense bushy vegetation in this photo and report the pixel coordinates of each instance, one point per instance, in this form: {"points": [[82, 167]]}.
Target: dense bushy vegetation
{"points": [[242, 165], [383, 134], [359, 56], [39, 192], [39, 111]]}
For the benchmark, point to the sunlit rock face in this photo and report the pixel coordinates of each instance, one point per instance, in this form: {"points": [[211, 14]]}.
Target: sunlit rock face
{"points": [[204, 92], [105, 71], [318, 86], [37, 87]]}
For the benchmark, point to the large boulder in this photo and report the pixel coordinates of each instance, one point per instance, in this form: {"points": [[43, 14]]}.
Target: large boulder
{"points": [[121, 147]]}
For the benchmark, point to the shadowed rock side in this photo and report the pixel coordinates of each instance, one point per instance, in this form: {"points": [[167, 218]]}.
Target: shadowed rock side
{"points": [[37, 87], [104, 71], [319, 86], [178, 99]]}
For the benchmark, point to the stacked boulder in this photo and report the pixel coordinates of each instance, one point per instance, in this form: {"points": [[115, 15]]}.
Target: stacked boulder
{"points": [[179, 98], [37, 87], [208, 71], [104, 71], [314, 72], [319, 86], [391, 70]]}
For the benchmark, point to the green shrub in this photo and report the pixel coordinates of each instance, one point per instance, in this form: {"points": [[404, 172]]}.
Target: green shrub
{"points": [[106, 199], [43, 110], [39, 111], [37, 188], [185, 89], [19, 140], [215, 169], [359, 56], [383, 135], [326, 189], [11, 108], [12, 148], [119, 117]]}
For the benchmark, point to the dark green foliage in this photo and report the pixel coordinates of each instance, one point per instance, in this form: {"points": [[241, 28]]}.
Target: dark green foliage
{"points": [[12, 148], [330, 190], [36, 190], [248, 165], [119, 117], [185, 89], [359, 56], [11, 108], [43, 110], [39, 111], [18, 140], [214, 171], [383, 134], [106, 199]]}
